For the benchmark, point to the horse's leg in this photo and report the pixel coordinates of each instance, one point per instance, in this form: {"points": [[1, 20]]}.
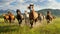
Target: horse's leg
{"points": [[27, 21], [5, 20], [31, 22], [48, 21], [20, 21], [36, 20], [10, 20], [13, 20]]}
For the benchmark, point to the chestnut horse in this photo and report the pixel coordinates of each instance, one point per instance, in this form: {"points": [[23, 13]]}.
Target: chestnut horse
{"points": [[33, 16], [6, 17], [9, 17]]}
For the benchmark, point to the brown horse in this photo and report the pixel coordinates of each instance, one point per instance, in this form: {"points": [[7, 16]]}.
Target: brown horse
{"points": [[32, 15], [6, 17], [49, 17], [9, 17]]}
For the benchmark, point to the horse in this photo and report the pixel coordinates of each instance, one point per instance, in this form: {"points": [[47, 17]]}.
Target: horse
{"points": [[33, 16], [19, 16], [26, 15], [6, 17], [41, 17], [49, 17], [9, 17]]}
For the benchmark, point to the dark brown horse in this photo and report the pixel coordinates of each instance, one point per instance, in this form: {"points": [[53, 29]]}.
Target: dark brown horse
{"points": [[49, 17], [19, 17], [33, 16]]}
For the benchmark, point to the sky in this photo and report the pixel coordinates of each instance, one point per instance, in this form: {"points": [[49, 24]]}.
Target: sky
{"points": [[23, 4]]}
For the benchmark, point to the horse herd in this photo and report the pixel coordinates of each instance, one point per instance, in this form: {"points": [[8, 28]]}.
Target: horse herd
{"points": [[32, 17]]}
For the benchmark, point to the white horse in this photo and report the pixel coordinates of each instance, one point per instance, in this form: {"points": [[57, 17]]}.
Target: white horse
{"points": [[41, 17], [26, 18]]}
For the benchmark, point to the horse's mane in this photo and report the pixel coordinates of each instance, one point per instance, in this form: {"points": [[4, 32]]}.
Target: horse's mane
{"points": [[18, 11]]}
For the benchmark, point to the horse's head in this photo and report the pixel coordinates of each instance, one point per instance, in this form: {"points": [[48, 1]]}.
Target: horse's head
{"points": [[41, 14], [18, 11], [54, 17], [31, 7], [26, 12], [49, 12], [3, 14]]}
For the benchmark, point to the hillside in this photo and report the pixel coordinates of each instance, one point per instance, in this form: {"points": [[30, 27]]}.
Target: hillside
{"points": [[55, 12]]}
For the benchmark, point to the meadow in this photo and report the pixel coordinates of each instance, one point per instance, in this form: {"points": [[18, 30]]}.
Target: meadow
{"points": [[13, 28]]}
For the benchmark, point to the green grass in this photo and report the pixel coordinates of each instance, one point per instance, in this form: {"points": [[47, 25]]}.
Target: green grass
{"points": [[52, 28]]}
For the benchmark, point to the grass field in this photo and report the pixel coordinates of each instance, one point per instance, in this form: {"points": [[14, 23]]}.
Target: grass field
{"points": [[52, 28]]}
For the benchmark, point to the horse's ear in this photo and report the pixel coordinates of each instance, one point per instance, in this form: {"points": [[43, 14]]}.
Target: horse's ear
{"points": [[29, 7], [17, 10]]}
